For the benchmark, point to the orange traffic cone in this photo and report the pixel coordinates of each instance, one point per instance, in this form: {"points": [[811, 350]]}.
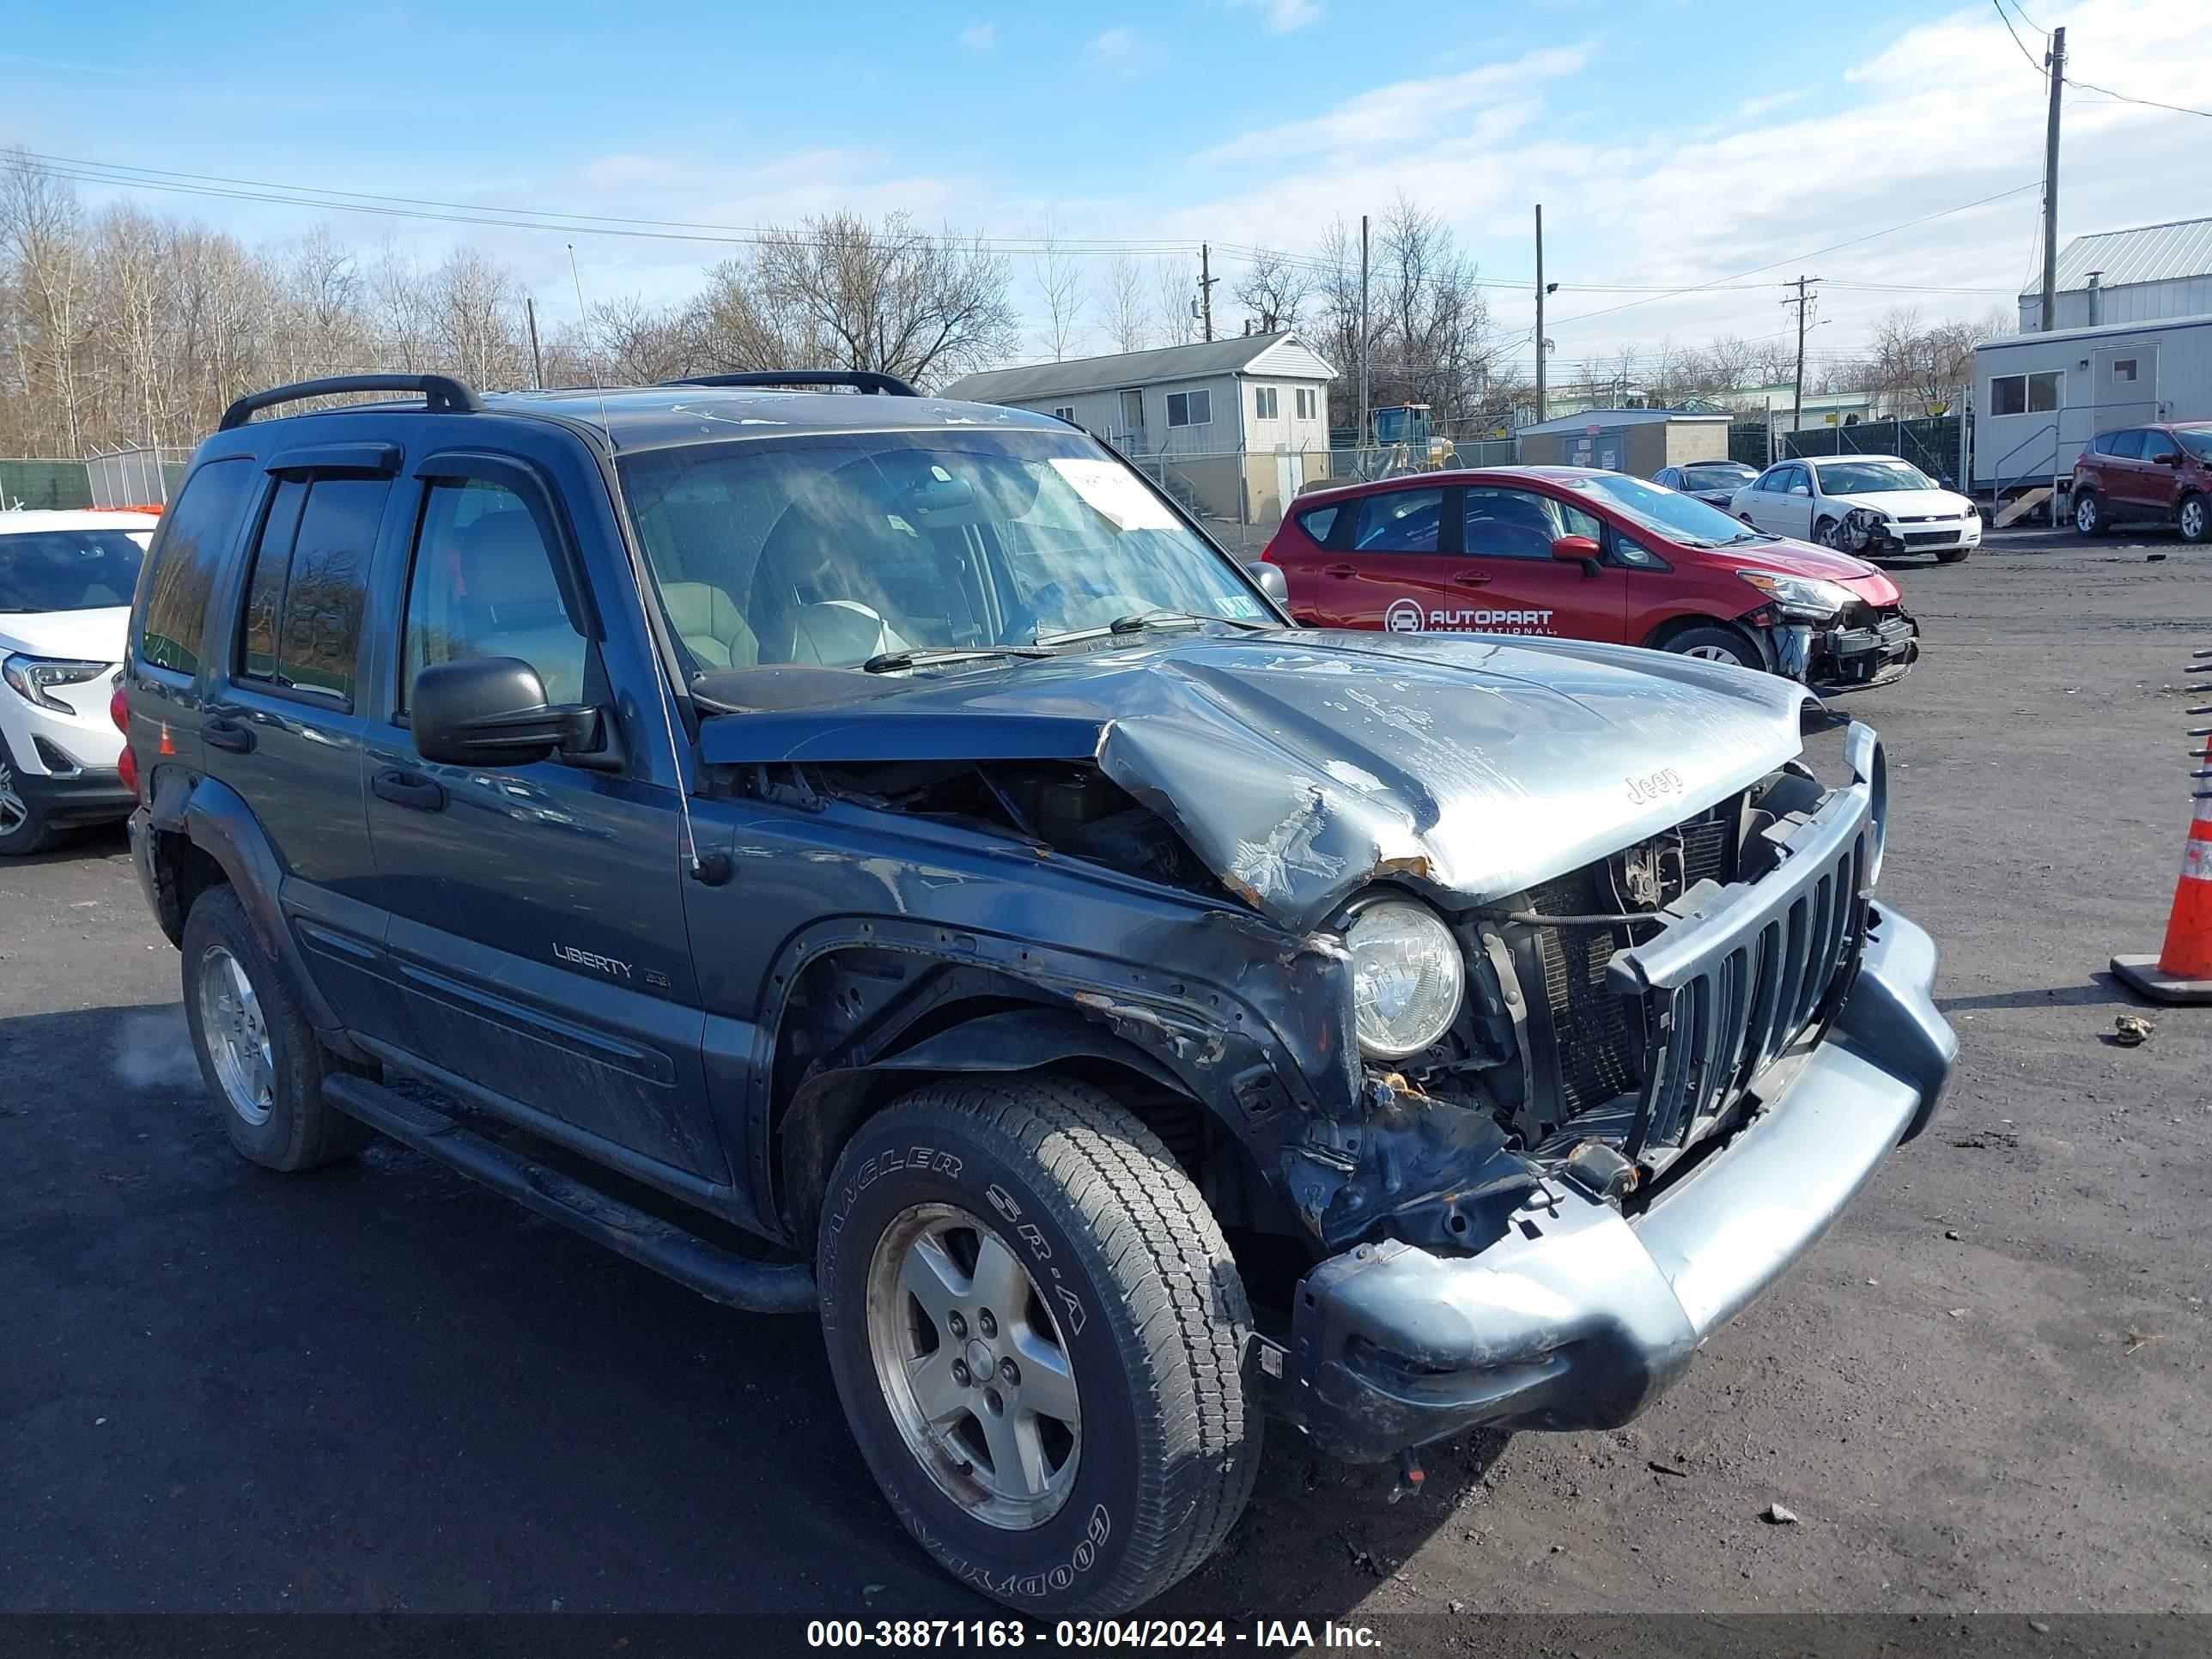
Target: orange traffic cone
{"points": [[2182, 970]]}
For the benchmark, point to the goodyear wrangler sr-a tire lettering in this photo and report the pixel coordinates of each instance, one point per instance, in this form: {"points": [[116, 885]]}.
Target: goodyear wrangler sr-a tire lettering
{"points": [[1038, 1334]]}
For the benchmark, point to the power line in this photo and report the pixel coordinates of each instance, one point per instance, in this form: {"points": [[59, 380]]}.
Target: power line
{"points": [[2148, 103], [2041, 72], [130, 177]]}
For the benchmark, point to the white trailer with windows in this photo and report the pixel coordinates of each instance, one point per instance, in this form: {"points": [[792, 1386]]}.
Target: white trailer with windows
{"points": [[2040, 398]]}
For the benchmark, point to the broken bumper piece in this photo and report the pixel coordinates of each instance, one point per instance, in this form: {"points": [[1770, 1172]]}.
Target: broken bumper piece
{"points": [[1578, 1318]]}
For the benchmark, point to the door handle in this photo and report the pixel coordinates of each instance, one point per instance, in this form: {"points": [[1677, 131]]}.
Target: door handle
{"points": [[1339, 570], [1471, 577], [416, 793], [228, 734]]}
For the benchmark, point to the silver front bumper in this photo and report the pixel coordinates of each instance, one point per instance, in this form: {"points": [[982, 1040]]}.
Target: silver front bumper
{"points": [[1578, 1317]]}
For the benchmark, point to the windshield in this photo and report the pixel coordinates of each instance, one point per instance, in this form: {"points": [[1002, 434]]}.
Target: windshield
{"points": [[2195, 439], [1871, 478], [844, 549], [1677, 517], [68, 569], [1716, 478]]}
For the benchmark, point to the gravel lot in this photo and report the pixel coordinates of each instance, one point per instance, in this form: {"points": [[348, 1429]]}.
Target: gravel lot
{"points": [[380, 1387]]}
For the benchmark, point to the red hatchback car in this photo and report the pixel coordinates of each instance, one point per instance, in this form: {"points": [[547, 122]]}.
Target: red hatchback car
{"points": [[1575, 554], [2162, 474]]}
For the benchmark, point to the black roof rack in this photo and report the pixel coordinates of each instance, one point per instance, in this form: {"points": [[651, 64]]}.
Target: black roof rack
{"points": [[441, 392], [860, 379]]}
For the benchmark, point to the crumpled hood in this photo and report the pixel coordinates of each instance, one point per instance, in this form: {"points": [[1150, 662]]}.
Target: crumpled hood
{"points": [[78, 635], [1301, 765]]}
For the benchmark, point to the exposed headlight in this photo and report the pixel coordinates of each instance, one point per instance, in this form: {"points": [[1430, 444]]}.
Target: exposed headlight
{"points": [[1407, 978], [31, 676], [1862, 526], [1800, 596]]}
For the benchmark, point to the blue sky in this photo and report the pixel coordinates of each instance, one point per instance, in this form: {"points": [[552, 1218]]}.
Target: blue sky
{"points": [[1671, 143]]}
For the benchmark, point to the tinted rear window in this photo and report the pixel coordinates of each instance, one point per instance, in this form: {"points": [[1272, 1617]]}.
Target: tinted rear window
{"points": [[195, 533], [1318, 521], [304, 600]]}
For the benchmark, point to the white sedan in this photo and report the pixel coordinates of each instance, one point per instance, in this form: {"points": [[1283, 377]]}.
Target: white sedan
{"points": [[1878, 504]]}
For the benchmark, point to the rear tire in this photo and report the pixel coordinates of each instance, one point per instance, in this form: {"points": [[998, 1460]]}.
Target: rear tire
{"points": [[260, 1058], [23, 826], [2194, 517], [2089, 514], [1119, 1443], [1715, 644]]}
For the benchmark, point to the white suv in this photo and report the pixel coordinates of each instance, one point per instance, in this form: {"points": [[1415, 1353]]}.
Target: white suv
{"points": [[65, 585]]}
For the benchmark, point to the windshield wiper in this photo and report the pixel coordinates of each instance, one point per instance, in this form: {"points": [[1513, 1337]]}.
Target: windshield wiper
{"points": [[888, 662], [1136, 622]]}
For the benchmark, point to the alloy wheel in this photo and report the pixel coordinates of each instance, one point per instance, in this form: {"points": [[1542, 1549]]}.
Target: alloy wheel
{"points": [[13, 812], [236, 1035], [1713, 654], [973, 1368], [2192, 518]]}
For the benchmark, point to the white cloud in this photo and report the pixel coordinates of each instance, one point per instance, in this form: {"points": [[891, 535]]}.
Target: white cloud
{"points": [[1115, 51], [1282, 17], [979, 37], [1395, 116]]}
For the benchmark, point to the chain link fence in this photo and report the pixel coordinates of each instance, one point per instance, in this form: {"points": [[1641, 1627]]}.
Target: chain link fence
{"points": [[1930, 444], [37, 485], [146, 475]]}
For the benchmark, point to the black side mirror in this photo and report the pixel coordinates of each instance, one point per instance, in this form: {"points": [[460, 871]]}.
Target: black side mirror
{"points": [[1271, 580], [491, 712]]}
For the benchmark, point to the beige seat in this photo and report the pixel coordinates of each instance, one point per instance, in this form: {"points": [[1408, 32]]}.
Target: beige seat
{"points": [[707, 621], [839, 634]]}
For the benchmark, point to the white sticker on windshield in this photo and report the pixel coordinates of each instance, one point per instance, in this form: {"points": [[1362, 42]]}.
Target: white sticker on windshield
{"points": [[1116, 492]]}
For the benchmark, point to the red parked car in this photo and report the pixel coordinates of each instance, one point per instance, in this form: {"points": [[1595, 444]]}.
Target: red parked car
{"points": [[2162, 474], [1583, 555]]}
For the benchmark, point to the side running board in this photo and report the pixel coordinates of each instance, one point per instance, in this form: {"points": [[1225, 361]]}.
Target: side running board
{"points": [[716, 1273]]}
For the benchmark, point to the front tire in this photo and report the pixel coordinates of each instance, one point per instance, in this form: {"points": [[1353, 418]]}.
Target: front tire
{"points": [[260, 1058], [1953, 554], [23, 826], [2194, 519], [2089, 514], [1826, 534], [1712, 644], [1032, 1232]]}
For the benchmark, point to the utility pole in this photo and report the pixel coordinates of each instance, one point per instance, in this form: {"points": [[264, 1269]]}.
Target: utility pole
{"points": [[1802, 298], [2057, 59], [1542, 413], [1360, 441], [1206, 279], [536, 362]]}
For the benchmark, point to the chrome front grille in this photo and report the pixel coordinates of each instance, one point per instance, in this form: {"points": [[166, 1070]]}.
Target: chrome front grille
{"points": [[1730, 987]]}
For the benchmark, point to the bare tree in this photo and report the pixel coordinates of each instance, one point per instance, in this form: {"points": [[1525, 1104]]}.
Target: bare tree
{"points": [[1122, 304], [1729, 363], [1175, 289], [1273, 287], [1434, 344], [1059, 287], [42, 237]]}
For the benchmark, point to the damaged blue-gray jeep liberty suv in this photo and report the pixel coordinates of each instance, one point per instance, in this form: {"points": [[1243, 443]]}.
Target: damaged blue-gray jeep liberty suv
{"points": [[875, 856]]}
